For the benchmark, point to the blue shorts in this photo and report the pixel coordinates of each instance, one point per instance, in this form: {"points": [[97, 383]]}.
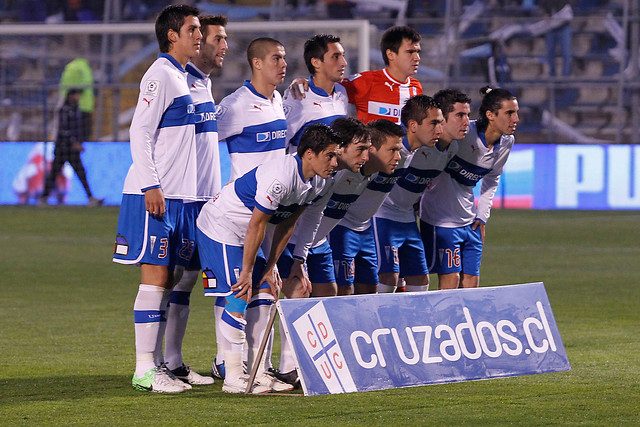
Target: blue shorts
{"points": [[145, 239], [451, 250], [400, 248], [188, 251], [354, 256], [285, 261], [319, 263], [221, 266]]}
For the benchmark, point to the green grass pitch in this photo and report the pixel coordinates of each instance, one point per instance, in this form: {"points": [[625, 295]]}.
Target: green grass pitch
{"points": [[67, 353]]}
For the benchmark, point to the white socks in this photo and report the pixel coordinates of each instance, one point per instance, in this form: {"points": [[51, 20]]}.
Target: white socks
{"points": [[257, 317], [233, 335], [149, 324], [177, 318]]}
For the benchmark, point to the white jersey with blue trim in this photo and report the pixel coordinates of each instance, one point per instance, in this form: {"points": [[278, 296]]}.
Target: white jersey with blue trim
{"points": [[358, 216], [162, 133], [316, 107], [450, 201], [207, 148], [253, 126], [427, 163], [325, 213], [277, 188]]}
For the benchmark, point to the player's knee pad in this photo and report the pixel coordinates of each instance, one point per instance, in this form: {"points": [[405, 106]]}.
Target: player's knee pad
{"points": [[233, 328]]}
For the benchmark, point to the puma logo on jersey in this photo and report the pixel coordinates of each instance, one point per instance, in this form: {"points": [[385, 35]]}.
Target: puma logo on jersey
{"points": [[426, 155], [257, 107], [473, 148], [390, 86], [148, 101], [315, 103]]}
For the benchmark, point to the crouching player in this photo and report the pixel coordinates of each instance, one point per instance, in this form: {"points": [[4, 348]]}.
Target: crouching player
{"points": [[232, 227], [398, 242], [452, 226]]}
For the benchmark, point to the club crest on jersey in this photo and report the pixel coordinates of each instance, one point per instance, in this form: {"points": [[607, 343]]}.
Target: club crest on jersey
{"points": [[191, 108], [122, 246], [220, 111], [275, 190], [209, 280], [151, 87], [287, 109]]}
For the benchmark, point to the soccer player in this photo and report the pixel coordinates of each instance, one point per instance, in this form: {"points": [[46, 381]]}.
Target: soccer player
{"points": [[252, 119], [381, 94], [253, 123], [399, 246], [211, 57], [233, 225], [162, 175], [352, 155], [352, 240], [452, 227], [326, 100]]}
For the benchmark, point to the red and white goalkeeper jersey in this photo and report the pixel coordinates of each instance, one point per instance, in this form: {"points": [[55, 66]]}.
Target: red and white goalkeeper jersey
{"points": [[377, 95]]}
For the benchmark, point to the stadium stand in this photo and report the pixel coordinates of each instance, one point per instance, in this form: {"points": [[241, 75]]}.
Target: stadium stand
{"points": [[595, 102]]}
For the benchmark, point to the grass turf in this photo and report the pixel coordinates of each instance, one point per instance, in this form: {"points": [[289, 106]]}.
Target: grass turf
{"points": [[67, 336]]}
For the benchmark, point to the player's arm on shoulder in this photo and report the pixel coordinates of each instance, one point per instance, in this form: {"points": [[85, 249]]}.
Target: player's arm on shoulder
{"points": [[297, 88]]}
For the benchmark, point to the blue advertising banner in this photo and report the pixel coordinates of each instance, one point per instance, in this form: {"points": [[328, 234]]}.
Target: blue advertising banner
{"points": [[536, 176], [381, 341]]}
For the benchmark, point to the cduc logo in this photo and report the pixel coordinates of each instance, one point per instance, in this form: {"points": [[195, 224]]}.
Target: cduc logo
{"points": [[316, 333]]}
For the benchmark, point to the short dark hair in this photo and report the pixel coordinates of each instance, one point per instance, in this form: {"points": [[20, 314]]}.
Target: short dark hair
{"points": [[446, 98], [381, 129], [172, 18], [316, 47], [350, 130], [491, 101], [317, 137], [417, 108], [393, 37], [206, 20], [258, 48]]}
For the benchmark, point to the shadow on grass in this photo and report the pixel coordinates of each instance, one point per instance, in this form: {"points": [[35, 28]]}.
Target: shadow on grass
{"points": [[82, 387], [72, 387]]}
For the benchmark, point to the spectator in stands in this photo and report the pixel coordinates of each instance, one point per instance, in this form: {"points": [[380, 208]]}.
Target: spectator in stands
{"points": [[560, 14], [498, 69]]}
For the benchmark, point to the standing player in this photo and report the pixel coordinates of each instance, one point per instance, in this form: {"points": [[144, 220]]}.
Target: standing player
{"points": [[212, 52], [162, 175], [452, 226], [326, 100], [381, 94], [252, 119], [399, 246], [233, 225]]}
